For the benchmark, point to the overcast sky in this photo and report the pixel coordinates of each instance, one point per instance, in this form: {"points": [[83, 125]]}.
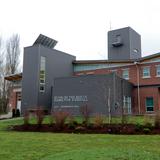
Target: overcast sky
{"points": [[81, 26]]}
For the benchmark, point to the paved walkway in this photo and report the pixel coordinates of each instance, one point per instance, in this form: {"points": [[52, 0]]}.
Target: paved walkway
{"points": [[6, 116]]}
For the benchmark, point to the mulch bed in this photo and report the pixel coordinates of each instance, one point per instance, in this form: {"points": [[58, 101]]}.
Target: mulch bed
{"points": [[128, 129]]}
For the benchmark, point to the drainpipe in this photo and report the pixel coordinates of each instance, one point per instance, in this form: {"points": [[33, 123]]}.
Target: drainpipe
{"points": [[138, 92]]}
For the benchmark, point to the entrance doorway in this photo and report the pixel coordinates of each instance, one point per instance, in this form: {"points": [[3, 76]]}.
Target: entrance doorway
{"points": [[18, 106]]}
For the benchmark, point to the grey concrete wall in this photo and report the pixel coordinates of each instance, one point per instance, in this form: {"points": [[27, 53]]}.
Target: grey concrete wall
{"points": [[30, 77], [130, 40], [57, 64], [135, 43], [94, 90], [123, 88]]}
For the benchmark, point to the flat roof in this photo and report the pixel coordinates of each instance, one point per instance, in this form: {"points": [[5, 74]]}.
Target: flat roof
{"points": [[102, 61], [117, 61], [18, 76]]}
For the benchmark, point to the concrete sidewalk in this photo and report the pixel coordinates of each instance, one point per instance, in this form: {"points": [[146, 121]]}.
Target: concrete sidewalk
{"points": [[6, 116]]}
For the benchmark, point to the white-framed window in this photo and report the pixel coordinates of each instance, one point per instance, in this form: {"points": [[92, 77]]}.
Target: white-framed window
{"points": [[146, 72], [127, 105], [149, 104], [158, 70], [125, 74], [42, 74]]}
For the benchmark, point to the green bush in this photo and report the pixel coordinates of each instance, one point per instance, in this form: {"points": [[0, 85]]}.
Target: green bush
{"points": [[60, 118], [146, 130], [80, 128], [157, 119], [138, 127], [124, 119], [98, 121], [39, 116], [72, 123], [147, 121], [26, 118], [51, 119], [148, 125], [85, 111]]}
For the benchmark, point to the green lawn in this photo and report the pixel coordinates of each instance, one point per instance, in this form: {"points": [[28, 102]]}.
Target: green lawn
{"points": [[49, 146]]}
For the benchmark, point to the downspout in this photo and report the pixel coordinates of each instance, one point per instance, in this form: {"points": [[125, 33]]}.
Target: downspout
{"points": [[138, 91]]}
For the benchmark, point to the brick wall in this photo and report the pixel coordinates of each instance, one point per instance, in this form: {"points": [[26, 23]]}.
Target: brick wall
{"points": [[12, 99], [14, 95], [145, 91], [132, 73]]}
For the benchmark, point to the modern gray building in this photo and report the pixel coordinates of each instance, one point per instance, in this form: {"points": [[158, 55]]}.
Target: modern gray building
{"points": [[41, 65], [124, 44], [48, 82], [101, 93], [51, 78]]}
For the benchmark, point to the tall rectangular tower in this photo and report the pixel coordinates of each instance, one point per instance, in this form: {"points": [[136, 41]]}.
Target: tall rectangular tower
{"points": [[42, 63], [124, 44]]}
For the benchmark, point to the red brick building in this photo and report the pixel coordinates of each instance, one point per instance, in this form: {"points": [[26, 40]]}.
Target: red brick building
{"points": [[15, 91], [143, 73]]}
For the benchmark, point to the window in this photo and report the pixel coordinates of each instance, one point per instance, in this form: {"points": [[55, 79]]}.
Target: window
{"points": [[42, 75], [149, 104], [42, 88], [127, 105], [146, 72], [158, 71], [118, 41], [125, 74]]}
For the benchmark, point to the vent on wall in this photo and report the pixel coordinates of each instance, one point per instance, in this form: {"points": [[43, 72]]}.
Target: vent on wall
{"points": [[118, 41], [45, 41]]}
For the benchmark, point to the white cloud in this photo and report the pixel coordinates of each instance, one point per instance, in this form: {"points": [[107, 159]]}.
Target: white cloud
{"points": [[81, 26]]}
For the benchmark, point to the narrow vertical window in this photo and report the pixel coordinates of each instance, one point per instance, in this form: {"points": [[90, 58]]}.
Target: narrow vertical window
{"points": [[158, 71], [149, 104], [42, 74], [127, 105], [146, 72], [125, 74]]}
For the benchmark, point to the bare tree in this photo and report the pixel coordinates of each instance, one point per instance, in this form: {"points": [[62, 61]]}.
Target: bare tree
{"points": [[9, 62], [2, 74], [12, 54], [1, 61]]}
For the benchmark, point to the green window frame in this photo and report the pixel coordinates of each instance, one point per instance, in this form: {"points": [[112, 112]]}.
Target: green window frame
{"points": [[149, 104]]}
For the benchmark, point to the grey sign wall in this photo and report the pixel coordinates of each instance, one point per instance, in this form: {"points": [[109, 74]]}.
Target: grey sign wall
{"points": [[71, 93]]}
